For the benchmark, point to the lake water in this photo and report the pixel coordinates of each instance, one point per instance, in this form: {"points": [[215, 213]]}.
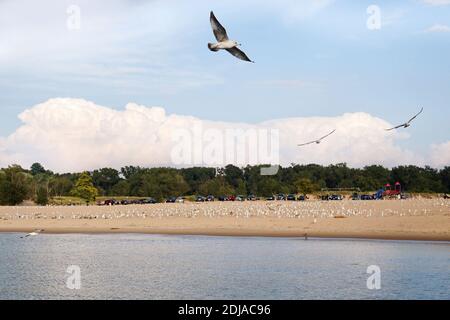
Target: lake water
{"points": [[137, 266]]}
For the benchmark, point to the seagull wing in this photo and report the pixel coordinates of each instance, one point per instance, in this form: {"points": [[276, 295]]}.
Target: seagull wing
{"points": [[421, 110], [399, 126], [305, 144], [318, 140], [327, 135], [239, 54], [219, 31]]}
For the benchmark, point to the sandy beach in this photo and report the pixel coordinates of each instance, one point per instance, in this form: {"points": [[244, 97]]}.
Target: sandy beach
{"points": [[414, 219]]}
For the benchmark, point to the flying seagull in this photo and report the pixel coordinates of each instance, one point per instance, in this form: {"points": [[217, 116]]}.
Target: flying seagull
{"points": [[318, 141], [34, 233], [223, 42], [407, 124]]}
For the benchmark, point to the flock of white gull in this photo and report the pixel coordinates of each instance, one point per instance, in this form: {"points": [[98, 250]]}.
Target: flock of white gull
{"points": [[304, 210]]}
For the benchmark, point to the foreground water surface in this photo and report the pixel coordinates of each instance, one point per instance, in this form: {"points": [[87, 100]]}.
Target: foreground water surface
{"points": [[138, 266]]}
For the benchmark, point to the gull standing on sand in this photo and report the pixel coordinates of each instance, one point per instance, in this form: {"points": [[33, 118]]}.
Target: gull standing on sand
{"points": [[407, 124], [318, 141], [223, 42]]}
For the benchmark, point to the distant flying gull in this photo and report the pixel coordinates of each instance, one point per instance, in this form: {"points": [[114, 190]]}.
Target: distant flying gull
{"points": [[318, 140], [223, 42], [407, 124], [34, 233]]}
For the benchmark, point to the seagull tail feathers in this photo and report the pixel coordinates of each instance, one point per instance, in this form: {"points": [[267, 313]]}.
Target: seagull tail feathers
{"points": [[211, 47]]}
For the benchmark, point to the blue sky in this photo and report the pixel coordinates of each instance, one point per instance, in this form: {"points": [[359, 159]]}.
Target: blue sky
{"points": [[313, 58]]}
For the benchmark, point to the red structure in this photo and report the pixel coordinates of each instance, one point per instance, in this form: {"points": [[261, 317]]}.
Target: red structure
{"points": [[392, 192]]}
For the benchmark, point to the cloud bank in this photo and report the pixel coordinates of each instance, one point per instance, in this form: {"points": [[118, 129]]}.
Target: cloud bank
{"points": [[437, 2], [68, 134], [441, 154], [438, 28]]}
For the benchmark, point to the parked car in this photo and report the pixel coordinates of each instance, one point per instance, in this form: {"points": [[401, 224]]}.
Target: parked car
{"points": [[110, 202], [325, 197], [291, 197], [148, 201], [200, 199], [336, 197], [231, 198], [171, 200], [210, 198], [281, 196], [125, 202], [301, 198], [240, 198], [222, 198], [179, 200], [366, 197], [252, 197], [270, 198]]}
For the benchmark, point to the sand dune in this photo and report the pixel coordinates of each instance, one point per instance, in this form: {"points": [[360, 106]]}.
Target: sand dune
{"points": [[416, 219]]}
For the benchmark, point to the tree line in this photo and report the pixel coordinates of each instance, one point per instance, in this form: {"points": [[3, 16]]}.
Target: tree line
{"points": [[39, 184]]}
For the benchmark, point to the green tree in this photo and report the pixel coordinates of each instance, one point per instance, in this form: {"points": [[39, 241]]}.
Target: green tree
{"points": [[37, 168], [252, 178], [217, 187], [122, 188], [105, 178], [335, 174], [305, 186], [84, 188], [233, 175], [268, 186], [241, 188], [60, 186], [15, 185], [42, 196], [445, 178], [377, 176], [196, 176], [129, 171], [158, 183]]}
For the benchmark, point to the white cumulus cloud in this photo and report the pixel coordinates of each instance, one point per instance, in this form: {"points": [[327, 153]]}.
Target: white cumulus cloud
{"points": [[440, 154], [438, 28], [437, 2], [68, 134]]}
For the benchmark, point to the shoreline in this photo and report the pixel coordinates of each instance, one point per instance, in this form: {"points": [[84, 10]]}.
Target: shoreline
{"points": [[417, 220], [245, 234], [352, 228]]}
